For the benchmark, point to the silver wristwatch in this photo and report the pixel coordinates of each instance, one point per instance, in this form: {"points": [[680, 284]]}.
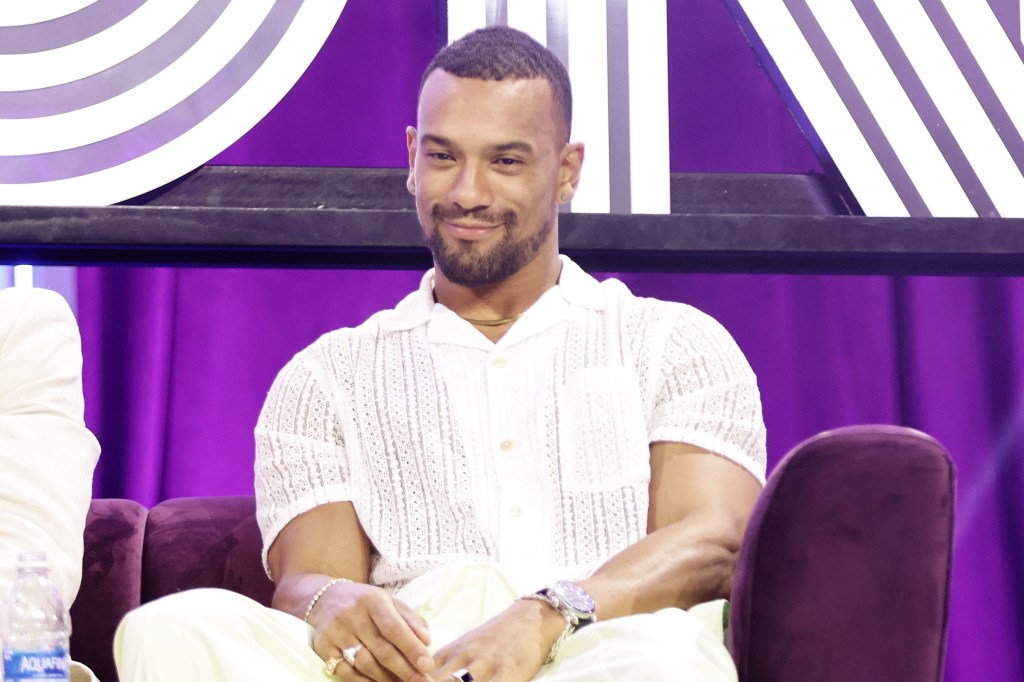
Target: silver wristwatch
{"points": [[574, 604]]}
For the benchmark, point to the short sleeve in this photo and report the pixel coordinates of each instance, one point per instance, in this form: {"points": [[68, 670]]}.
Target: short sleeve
{"points": [[707, 394], [300, 453]]}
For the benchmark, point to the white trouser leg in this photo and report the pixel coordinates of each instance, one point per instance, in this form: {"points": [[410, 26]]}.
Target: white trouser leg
{"points": [[213, 635], [664, 646]]}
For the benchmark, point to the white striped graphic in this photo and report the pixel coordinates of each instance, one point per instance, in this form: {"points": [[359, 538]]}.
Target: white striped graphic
{"points": [[960, 108], [24, 13], [588, 71], [893, 109], [94, 54], [531, 17], [824, 107], [995, 53], [111, 115], [649, 157], [642, 172], [465, 16], [196, 66], [887, 85]]}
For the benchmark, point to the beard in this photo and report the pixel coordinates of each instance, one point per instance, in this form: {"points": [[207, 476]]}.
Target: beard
{"points": [[463, 263]]}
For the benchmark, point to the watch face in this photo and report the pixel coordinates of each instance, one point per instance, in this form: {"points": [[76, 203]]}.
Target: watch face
{"points": [[574, 596]]}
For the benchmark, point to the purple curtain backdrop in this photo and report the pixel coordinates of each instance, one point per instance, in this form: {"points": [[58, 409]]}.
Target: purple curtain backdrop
{"points": [[178, 360]]}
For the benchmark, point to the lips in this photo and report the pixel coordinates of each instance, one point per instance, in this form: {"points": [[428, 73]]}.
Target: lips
{"points": [[469, 231], [472, 225]]}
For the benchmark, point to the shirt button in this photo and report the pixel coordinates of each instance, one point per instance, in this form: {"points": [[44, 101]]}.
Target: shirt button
{"points": [[507, 445], [515, 512], [499, 362]]}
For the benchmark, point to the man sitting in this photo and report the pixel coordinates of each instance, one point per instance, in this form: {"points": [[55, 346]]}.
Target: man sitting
{"points": [[512, 429]]}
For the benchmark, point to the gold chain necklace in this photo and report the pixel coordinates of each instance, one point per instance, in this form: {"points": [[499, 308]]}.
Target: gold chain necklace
{"points": [[493, 323]]}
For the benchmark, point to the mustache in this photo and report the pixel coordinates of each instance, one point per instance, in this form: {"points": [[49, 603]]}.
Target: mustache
{"points": [[508, 217]]}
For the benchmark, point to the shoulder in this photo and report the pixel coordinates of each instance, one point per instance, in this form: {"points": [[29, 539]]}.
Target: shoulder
{"points": [[654, 315], [17, 302], [35, 313], [334, 354]]}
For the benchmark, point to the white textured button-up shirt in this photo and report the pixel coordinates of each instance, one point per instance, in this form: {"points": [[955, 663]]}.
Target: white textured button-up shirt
{"points": [[531, 452]]}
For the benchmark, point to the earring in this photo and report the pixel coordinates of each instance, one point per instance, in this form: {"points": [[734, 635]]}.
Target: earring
{"points": [[565, 196], [410, 184]]}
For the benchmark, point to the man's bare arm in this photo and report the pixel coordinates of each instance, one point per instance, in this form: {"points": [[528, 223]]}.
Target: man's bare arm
{"points": [[700, 504], [699, 507], [328, 542]]}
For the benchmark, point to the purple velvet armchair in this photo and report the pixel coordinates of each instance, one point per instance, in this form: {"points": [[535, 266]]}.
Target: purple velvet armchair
{"points": [[843, 574]]}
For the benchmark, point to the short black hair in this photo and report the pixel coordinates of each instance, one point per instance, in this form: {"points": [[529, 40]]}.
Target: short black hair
{"points": [[499, 52]]}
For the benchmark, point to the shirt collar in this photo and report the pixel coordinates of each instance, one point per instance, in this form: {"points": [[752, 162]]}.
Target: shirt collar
{"points": [[574, 286]]}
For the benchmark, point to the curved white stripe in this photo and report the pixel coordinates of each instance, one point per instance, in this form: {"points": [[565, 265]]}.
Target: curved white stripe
{"points": [[958, 105], [588, 71], [309, 30], [97, 53], [892, 108], [124, 112], [823, 106], [23, 13]]}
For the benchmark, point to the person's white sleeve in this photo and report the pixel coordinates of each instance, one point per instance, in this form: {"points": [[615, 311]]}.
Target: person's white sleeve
{"points": [[47, 453], [708, 393], [300, 460]]}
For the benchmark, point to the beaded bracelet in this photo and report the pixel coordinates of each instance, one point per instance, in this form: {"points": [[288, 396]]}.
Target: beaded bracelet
{"points": [[320, 593]]}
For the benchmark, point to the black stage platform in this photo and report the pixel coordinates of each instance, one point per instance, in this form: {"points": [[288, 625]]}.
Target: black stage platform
{"points": [[247, 216]]}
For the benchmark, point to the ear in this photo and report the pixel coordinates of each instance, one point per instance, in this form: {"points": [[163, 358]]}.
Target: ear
{"points": [[411, 138], [569, 171], [411, 142]]}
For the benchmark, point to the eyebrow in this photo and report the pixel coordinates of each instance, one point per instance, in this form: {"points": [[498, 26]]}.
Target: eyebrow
{"points": [[438, 140], [523, 147], [514, 146]]}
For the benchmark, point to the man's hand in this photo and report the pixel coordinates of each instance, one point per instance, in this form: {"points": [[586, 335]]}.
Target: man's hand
{"points": [[391, 638], [511, 647], [386, 640]]}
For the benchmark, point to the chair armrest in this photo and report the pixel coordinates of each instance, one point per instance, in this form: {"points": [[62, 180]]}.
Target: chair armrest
{"points": [[845, 566]]}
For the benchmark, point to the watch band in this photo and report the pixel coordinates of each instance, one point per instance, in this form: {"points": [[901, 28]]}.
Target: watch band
{"points": [[583, 613], [569, 628]]}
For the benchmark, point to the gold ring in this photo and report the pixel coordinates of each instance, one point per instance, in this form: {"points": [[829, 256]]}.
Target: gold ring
{"points": [[330, 665]]}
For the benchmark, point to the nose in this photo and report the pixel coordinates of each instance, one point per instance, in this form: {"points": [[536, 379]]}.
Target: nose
{"points": [[471, 190]]}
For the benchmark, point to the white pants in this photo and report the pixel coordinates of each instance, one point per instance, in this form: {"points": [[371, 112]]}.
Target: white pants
{"points": [[211, 635]]}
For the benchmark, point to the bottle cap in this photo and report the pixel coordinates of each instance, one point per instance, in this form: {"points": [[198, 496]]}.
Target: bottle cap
{"points": [[36, 559]]}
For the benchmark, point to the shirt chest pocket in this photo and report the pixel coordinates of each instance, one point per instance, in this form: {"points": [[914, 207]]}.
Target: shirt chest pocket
{"points": [[602, 431]]}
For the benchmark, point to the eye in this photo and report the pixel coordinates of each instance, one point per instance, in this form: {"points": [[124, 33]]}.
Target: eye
{"points": [[440, 156], [506, 161]]}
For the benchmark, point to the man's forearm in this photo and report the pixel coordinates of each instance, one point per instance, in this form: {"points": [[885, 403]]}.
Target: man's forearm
{"points": [[680, 565]]}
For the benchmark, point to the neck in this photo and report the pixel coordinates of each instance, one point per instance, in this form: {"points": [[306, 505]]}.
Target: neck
{"points": [[495, 307]]}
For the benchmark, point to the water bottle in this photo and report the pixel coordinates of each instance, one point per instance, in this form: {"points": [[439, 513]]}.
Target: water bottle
{"points": [[36, 625]]}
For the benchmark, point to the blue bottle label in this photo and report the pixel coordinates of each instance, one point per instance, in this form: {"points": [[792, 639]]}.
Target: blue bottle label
{"points": [[43, 664]]}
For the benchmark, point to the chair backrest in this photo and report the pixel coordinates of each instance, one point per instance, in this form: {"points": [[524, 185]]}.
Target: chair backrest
{"points": [[845, 567], [204, 542], [111, 581], [133, 556]]}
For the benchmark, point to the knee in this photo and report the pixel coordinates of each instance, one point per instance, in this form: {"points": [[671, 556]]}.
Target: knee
{"points": [[183, 612]]}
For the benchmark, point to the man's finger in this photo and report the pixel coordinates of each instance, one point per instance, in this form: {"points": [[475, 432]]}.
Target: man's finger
{"points": [[417, 622], [396, 644]]}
